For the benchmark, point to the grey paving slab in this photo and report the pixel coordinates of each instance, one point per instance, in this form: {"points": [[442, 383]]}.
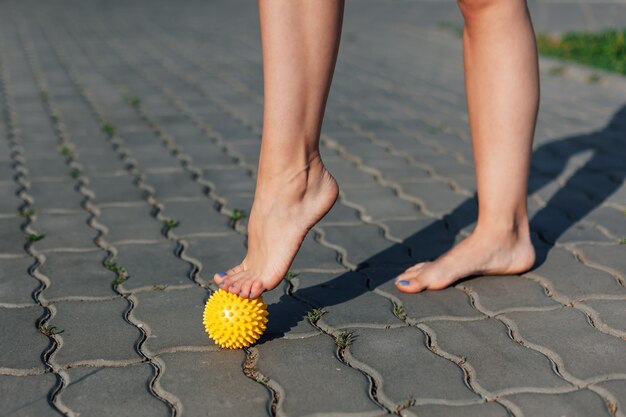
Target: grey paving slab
{"points": [[173, 317], [380, 203], [172, 185], [54, 167], [412, 359], [285, 361], [213, 384], [115, 189], [77, 274], [55, 195], [611, 312], [62, 230], [28, 394], [196, 217], [610, 256], [130, 223], [91, 390], [229, 181], [617, 388], [508, 292], [438, 196], [16, 285], [578, 403], [477, 410], [567, 333], [500, 364], [94, 331], [151, 264], [9, 203], [13, 238], [217, 254], [313, 255], [23, 344], [572, 279]]}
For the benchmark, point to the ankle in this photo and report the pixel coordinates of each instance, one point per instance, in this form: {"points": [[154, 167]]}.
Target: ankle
{"points": [[503, 229]]}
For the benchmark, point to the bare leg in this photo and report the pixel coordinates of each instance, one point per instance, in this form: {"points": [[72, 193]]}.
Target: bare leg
{"points": [[502, 85], [293, 191]]}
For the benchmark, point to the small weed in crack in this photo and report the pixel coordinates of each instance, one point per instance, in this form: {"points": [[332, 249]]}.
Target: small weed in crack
{"points": [[170, 224], [315, 314], [35, 237], [108, 128], [344, 339], [398, 310], [408, 403], [50, 330]]}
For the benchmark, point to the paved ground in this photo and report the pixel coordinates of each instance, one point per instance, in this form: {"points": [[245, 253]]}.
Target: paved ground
{"points": [[177, 88]]}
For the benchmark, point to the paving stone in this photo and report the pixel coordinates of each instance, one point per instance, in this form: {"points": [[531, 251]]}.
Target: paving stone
{"points": [[618, 389], [497, 293], [150, 264], [572, 279], [55, 195], [174, 317], [53, 167], [427, 238], [611, 312], [411, 357], [64, 231], [16, 285], [24, 348], [554, 226], [477, 410], [581, 403], [213, 382], [77, 274], [102, 164], [438, 196], [568, 333], [91, 390], [380, 203], [313, 255], [115, 189], [95, 330], [611, 256], [172, 185], [155, 157], [196, 217], [366, 245], [345, 390], [229, 181], [217, 254], [611, 219], [9, 202], [499, 362], [28, 394], [347, 173], [13, 239], [340, 213], [130, 223], [287, 315]]}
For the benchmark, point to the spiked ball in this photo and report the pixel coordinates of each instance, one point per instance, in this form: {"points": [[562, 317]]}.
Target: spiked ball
{"points": [[234, 322]]}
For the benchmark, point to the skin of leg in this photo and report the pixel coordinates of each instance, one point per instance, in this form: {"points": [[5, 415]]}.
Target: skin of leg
{"points": [[300, 40], [502, 85]]}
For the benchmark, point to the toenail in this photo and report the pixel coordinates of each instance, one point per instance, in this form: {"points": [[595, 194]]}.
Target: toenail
{"points": [[251, 294], [221, 274], [232, 285], [403, 282]]}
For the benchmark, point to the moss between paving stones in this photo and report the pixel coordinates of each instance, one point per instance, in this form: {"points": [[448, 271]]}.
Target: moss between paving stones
{"points": [[605, 50]]}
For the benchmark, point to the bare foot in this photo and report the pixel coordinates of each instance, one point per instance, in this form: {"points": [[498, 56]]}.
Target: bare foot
{"points": [[284, 210], [482, 253]]}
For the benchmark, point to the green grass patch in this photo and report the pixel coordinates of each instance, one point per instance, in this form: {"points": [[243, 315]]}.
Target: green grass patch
{"points": [[605, 50]]}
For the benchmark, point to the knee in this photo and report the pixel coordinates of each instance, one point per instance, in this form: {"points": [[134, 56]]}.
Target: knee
{"points": [[475, 9]]}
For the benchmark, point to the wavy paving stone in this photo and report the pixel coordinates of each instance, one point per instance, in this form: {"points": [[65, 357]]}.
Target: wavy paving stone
{"points": [[13, 238], [211, 383], [55, 195], [28, 394], [583, 403], [475, 410], [22, 343], [196, 217], [77, 274], [174, 317], [64, 231], [572, 279], [117, 189], [375, 200], [173, 185], [439, 196], [408, 369], [16, 285], [112, 391], [367, 245], [51, 167], [611, 312], [611, 256], [130, 223], [150, 264], [427, 238], [347, 173], [217, 254], [340, 213], [299, 365], [617, 388], [287, 316], [95, 331], [568, 333], [103, 164], [553, 226], [498, 293], [499, 362], [8, 205], [230, 181], [313, 255]]}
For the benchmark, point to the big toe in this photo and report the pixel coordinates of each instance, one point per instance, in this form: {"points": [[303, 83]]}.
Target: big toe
{"points": [[409, 282]]}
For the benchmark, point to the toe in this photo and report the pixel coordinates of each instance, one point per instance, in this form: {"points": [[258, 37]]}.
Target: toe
{"points": [[256, 289], [234, 282], [417, 267], [235, 270], [220, 278], [409, 282], [244, 290]]}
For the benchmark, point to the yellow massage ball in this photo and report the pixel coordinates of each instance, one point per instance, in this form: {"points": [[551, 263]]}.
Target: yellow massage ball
{"points": [[234, 322]]}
